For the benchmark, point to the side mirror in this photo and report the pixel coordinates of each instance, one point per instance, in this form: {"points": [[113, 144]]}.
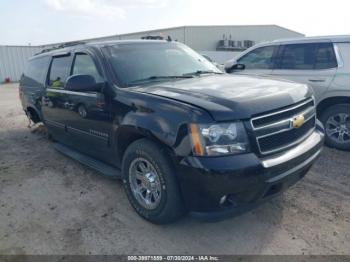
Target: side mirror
{"points": [[238, 67], [229, 64], [82, 83], [233, 65]]}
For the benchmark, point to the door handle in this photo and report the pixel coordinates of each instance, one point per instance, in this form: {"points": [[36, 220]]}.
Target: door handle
{"points": [[317, 80]]}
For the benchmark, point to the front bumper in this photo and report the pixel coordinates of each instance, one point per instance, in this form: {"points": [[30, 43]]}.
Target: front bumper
{"points": [[245, 180]]}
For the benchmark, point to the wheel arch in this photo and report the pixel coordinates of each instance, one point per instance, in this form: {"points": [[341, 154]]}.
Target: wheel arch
{"points": [[33, 114], [128, 134], [330, 101]]}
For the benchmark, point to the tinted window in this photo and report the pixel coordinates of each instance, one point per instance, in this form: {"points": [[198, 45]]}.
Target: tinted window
{"points": [[298, 56], [59, 71], [260, 58], [35, 72], [308, 56], [325, 56], [84, 65]]}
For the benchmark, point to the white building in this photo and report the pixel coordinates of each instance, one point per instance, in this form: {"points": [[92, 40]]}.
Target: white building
{"points": [[219, 42]]}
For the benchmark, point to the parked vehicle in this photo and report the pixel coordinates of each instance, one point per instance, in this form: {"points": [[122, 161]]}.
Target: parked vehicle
{"points": [[182, 135], [219, 66], [321, 62]]}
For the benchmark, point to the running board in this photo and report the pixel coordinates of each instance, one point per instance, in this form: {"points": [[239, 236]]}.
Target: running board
{"points": [[97, 165]]}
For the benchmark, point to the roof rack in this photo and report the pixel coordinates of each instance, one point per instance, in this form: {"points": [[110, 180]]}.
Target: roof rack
{"points": [[157, 37], [61, 46], [152, 37]]}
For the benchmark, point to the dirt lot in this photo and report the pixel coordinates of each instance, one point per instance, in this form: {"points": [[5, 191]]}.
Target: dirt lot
{"points": [[50, 204]]}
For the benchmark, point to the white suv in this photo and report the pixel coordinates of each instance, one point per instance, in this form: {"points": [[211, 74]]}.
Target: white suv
{"points": [[321, 62]]}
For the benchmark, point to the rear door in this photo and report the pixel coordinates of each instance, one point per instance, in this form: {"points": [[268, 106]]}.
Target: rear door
{"points": [[310, 63], [54, 98], [87, 116], [258, 61]]}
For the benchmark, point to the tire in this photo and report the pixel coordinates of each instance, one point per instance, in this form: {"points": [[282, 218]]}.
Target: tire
{"points": [[33, 115], [82, 111], [336, 120], [165, 205]]}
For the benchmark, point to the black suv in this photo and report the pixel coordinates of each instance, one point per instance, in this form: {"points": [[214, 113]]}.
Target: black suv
{"points": [[182, 135]]}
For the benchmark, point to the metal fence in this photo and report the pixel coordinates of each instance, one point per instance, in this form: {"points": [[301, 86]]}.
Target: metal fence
{"points": [[13, 60]]}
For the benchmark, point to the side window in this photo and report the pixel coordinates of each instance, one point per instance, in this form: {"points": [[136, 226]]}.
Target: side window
{"points": [[84, 65], [298, 56], [59, 71], [35, 72], [325, 56], [260, 58]]}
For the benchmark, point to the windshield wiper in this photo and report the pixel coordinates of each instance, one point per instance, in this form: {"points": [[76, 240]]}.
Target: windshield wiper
{"points": [[151, 78], [202, 72]]}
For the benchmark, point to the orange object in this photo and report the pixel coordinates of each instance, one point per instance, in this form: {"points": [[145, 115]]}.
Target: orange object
{"points": [[196, 141]]}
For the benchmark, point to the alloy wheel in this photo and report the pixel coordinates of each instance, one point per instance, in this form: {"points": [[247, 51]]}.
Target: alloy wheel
{"points": [[338, 128], [145, 183]]}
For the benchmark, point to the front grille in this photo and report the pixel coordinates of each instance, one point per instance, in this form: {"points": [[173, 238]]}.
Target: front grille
{"points": [[283, 139], [274, 131], [284, 114]]}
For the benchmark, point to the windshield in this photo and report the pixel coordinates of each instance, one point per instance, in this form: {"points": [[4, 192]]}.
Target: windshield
{"points": [[136, 63]]}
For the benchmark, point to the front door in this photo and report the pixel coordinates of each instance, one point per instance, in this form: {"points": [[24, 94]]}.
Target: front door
{"points": [[258, 61]]}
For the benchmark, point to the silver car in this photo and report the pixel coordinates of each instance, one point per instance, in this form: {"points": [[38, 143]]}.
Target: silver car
{"points": [[321, 62]]}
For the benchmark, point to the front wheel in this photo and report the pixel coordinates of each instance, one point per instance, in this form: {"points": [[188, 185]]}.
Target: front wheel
{"points": [[150, 182], [336, 120]]}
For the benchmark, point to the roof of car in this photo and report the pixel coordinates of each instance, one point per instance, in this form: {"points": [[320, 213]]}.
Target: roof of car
{"points": [[299, 40], [103, 43], [56, 50], [311, 39]]}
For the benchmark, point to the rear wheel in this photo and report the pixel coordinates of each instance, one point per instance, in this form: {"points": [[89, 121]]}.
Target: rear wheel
{"points": [[336, 120], [82, 111], [150, 182]]}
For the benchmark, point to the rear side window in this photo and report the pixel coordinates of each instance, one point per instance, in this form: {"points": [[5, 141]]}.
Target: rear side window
{"points": [[260, 58], [35, 72], [298, 56], [59, 71], [307, 56], [84, 65], [325, 56]]}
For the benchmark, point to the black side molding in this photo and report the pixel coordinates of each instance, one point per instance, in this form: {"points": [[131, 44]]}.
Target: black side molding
{"points": [[97, 165]]}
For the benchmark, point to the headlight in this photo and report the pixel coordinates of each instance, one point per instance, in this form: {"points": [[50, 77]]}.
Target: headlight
{"points": [[218, 139]]}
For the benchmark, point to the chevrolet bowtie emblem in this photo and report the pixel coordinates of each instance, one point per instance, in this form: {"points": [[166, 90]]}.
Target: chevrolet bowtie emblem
{"points": [[298, 121]]}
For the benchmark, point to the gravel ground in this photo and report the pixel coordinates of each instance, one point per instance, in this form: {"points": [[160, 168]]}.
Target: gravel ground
{"points": [[50, 204]]}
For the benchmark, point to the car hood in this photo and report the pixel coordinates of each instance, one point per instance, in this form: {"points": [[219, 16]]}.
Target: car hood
{"points": [[230, 97]]}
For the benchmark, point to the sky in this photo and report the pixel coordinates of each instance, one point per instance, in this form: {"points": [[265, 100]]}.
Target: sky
{"points": [[36, 22]]}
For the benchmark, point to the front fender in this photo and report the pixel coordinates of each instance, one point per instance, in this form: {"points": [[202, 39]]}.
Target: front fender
{"points": [[159, 118]]}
